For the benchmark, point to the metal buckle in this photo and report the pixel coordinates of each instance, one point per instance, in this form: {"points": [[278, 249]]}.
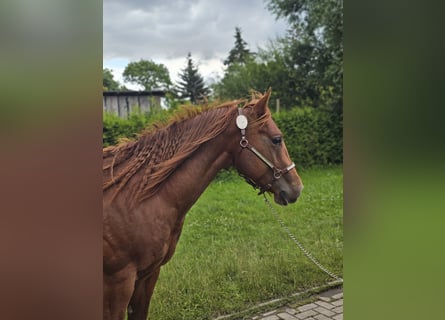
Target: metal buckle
{"points": [[244, 142]]}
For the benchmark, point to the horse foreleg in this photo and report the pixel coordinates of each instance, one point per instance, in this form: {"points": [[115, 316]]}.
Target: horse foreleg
{"points": [[118, 289], [140, 301]]}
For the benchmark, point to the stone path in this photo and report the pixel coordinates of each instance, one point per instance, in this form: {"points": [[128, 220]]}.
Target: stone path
{"points": [[327, 306]]}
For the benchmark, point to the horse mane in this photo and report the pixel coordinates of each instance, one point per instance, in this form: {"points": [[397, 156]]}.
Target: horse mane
{"points": [[158, 151]]}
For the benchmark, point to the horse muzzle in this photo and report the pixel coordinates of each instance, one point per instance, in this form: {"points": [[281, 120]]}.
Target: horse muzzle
{"points": [[284, 197]]}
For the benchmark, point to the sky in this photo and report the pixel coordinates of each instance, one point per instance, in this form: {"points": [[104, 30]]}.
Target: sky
{"points": [[165, 31]]}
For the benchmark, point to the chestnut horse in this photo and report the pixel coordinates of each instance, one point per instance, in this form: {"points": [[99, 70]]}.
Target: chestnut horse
{"points": [[150, 184]]}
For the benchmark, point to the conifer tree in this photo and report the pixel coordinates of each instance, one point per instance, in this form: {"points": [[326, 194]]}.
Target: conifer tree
{"points": [[240, 53], [191, 84]]}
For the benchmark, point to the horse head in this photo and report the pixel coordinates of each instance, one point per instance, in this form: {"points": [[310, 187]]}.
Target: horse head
{"points": [[262, 157]]}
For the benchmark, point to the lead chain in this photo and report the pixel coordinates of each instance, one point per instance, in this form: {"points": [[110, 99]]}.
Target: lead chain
{"points": [[303, 249]]}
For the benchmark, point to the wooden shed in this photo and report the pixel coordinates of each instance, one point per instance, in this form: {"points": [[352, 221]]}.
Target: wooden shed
{"points": [[122, 103]]}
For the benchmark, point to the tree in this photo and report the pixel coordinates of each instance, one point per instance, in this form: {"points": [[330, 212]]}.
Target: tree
{"points": [[266, 70], [147, 74], [243, 73], [239, 54], [191, 84], [313, 49], [304, 68], [109, 84], [240, 79]]}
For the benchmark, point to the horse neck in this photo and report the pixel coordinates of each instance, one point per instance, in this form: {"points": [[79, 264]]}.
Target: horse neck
{"points": [[190, 180]]}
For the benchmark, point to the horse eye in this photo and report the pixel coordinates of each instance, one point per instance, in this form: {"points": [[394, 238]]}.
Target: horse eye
{"points": [[276, 140]]}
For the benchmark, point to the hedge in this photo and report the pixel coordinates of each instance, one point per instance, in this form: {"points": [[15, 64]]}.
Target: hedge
{"points": [[116, 128], [312, 136]]}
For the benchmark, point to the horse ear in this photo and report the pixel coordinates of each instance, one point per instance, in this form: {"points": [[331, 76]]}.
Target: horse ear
{"points": [[262, 104]]}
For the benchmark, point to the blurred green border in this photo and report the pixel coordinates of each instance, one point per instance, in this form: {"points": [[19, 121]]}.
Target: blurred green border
{"points": [[51, 135], [394, 161]]}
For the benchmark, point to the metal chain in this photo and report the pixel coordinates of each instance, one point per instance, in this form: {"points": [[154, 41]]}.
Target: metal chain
{"points": [[303, 249]]}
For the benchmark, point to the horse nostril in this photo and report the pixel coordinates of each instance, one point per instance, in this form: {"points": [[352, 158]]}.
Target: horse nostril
{"points": [[284, 198]]}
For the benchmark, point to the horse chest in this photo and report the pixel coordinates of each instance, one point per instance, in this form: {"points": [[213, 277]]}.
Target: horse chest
{"points": [[159, 253], [172, 246]]}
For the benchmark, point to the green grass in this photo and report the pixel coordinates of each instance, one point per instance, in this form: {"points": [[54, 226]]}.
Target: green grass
{"points": [[233, 254]]}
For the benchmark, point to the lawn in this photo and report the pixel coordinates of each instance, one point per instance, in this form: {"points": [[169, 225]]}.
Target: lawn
{"points": [[233, 254]]}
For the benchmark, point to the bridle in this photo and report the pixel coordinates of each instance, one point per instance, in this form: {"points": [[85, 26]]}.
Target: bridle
{"points": [[241, 123]]}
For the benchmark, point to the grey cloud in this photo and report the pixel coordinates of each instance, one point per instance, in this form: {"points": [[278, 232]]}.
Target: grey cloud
{"points": [[168, 29]]}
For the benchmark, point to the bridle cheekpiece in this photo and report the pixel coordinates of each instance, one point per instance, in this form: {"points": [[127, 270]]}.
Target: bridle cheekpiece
{"points": [[241, 123]]}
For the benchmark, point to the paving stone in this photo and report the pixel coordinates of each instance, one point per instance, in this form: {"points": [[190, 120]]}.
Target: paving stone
{"points": [[325, 304], [290, 310], [285, 316], [338, 295], [321, 317], [307, 307], [272, 317], [338, 309], [338, 317], [324, 311], [331, 292], [305, 314], [327, 299], [329, 306], [337, 303]]}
